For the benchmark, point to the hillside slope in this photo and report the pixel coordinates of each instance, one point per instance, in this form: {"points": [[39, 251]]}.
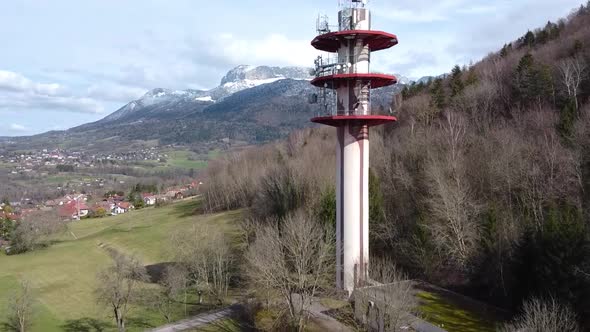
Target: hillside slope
{"points": [[63, 276], [482, 187]]}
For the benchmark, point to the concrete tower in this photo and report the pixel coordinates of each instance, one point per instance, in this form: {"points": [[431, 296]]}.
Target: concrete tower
{"points": [[345, 96]]}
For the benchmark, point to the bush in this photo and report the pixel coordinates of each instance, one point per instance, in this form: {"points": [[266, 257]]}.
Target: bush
{"points": [[35, 232], [544, 316]]}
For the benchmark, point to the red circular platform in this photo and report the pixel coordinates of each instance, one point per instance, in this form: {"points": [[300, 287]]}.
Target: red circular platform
{"points": [[334, 81], [377, 40], [341, 120]]}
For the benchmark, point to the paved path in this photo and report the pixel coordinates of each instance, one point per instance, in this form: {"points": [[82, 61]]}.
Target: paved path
{"points": [[197, 321], [328, 323]]}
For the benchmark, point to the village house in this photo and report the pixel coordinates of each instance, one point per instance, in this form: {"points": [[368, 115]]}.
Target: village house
{"points": [[149, 199], [73, 210], [122, 207]]}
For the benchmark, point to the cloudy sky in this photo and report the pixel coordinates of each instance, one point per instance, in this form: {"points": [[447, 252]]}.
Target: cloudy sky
{"points": [[68, 62]]}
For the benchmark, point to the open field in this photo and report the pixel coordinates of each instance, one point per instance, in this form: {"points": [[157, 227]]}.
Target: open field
{"points": [[63, 275], [186, 160]]}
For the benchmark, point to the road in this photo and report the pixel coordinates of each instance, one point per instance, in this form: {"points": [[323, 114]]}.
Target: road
{"points": [[198, 321]]}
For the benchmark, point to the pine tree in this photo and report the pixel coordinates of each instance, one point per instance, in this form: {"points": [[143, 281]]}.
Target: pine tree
{"points": [[523, 78], [376, 214], [471, 78], [456, 81], [504, 51], [532, 83], [438, 94], [567, 119], [529, 39], [577, 48]]}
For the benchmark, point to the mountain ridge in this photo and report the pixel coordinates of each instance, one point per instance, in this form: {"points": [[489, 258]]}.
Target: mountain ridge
{"points": [[250, 105]]}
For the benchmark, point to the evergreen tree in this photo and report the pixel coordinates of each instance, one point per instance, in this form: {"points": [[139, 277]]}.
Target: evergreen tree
{"points": [[523, 78], [471, 78], [532, 82], [326, 209], [456, 81], [376, 215], [567, 119], [550, 259], [504, 51], [529, 39], [438, 94], [542, 36], [6, 228], [577, 48]]}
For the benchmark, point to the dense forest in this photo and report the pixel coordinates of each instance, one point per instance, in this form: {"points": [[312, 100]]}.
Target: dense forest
{"points": [[482, 187]]}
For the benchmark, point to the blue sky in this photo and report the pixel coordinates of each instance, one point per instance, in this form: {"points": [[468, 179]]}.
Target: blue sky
{"points": [[68, 62]]}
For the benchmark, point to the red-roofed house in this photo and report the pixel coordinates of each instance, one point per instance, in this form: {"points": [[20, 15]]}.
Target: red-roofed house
{"points": [[73, 210], [123, 207], [149, 198]]}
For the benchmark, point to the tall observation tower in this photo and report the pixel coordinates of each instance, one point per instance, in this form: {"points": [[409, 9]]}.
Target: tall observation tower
{"points": [[345, 83]]}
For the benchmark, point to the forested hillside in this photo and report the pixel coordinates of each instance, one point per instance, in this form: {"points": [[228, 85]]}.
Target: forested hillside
{"points": [[482, 187]]}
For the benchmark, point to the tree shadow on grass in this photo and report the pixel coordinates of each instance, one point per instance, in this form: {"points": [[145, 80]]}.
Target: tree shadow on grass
{"points": [[189, 208], [139, 322], [156, 272], [86, 325], [8, 327]]}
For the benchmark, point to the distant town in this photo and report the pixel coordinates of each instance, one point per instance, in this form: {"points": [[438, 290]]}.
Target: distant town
{"points": [[79, 206], [22, 163], [76, 184]]}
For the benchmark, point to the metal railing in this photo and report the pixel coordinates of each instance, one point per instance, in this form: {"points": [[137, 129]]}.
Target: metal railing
{"points": [[331, 65], [326, 103]]}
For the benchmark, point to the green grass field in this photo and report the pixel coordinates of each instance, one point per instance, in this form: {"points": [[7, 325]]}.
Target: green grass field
{"points": [[64, 275], [62, 178], [456, 313], [182, 159]]}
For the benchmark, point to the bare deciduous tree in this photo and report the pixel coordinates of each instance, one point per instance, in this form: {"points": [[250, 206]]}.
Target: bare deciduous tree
{"points": [[572, 72], [294, 261], [36, 230], [20, 309], [208, 257], [176, 282], [387, 307], [118, 285], [546, 316], [452, 204]]}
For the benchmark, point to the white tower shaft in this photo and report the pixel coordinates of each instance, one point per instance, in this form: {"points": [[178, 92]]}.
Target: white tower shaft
{"points": [[352, 206], [352, 197]]}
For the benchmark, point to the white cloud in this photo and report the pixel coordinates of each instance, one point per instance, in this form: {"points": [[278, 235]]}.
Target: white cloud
{"points": [[17, 127], [20, 92], [273, 49], [12, 81], [477, 9], [115, 92], [418, 11]]}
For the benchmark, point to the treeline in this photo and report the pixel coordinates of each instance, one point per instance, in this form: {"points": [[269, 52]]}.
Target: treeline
{"points": [[483, 185]]}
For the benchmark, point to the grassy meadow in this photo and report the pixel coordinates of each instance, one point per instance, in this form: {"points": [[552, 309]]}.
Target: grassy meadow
{"points": [[63, 276]]}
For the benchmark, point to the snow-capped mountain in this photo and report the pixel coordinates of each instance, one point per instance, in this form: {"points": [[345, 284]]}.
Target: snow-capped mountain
{"points": [[165, 102], [245, 77], [251, 104]]}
